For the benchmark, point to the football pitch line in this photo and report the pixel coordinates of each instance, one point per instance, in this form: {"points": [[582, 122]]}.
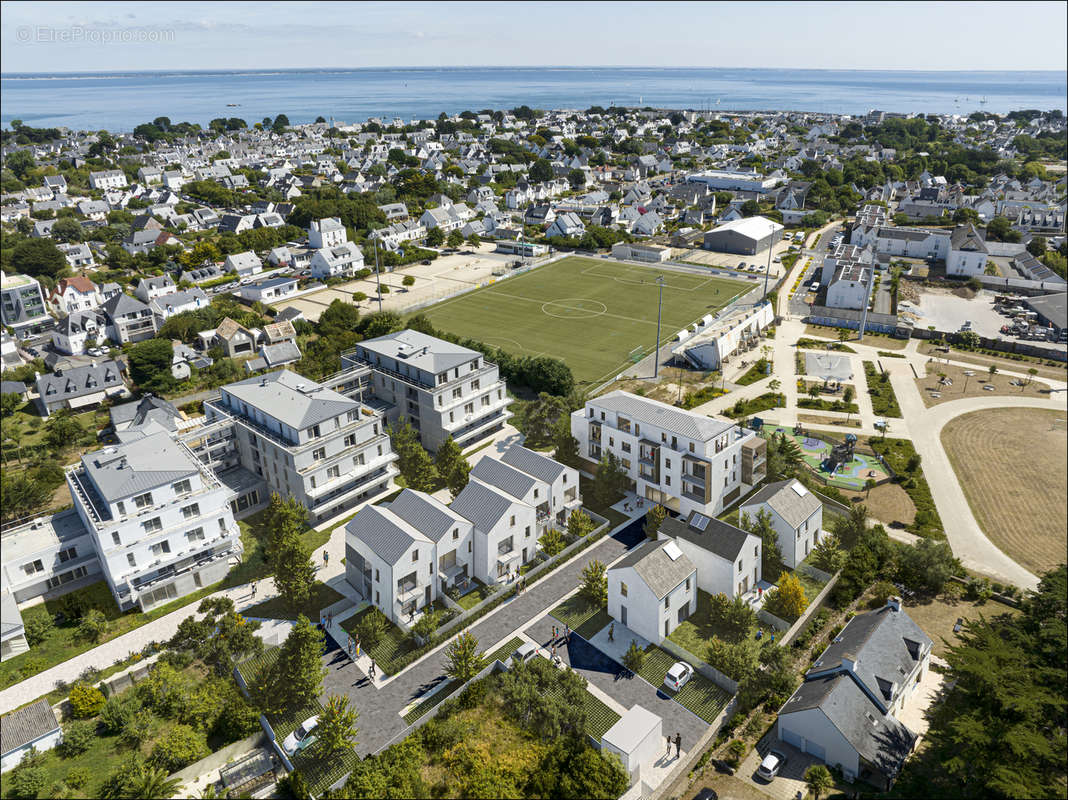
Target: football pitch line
{"points": [[624, 278], [557, 303]]}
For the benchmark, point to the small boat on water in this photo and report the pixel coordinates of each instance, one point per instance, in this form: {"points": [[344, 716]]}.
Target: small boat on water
{"points": [[232, 105]]}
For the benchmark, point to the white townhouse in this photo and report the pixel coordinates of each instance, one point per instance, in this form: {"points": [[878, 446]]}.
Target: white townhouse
{"points": [[107, 179], [244, 264], [679, 459], [529, 489], [796, 516], [967, 252], [168, 305], [329, 232], [562, 482], [505, 537], [79, 256], [850, 287], [160, 519], [727, 558], [77, 293], [148, 289], [74, 332], [337, 260], [269, 290], [651, 590]]}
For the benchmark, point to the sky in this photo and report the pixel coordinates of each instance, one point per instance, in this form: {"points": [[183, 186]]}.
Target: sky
{"points": [[113, 36]]}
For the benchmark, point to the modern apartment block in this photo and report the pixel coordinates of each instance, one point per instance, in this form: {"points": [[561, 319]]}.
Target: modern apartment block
{"points": [[307, 441], [441, 388], [160, 519], [22, 306], [682, 460]]}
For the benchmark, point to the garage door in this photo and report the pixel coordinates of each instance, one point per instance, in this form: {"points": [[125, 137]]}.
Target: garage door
{"points": [[792, 738], [819, 751]]}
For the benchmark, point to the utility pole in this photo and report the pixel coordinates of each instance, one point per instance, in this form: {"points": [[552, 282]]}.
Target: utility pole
{"points": [[767, 272], [378, 277], [659, 307], [870, 301]]}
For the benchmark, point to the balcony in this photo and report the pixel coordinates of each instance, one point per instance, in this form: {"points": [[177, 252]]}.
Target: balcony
{"points": [[481, 425], [349, 487]]}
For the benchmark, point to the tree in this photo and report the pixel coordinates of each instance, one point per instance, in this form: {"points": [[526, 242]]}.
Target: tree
{"points": [[336, 732], [435, 238], [784, 458], [993, 370], [428, 623], [9, 403], [62, 430], [927, 565], [464, 660], [1036, 247], [750, 208], [38, 258], [552, 542], [577, 178], [734, 619], [579, 524], [179, 747], [20, 162], [85, 700], [221, 638], [653, 517], [999, 229], [565, 446], [294, 573], [150, 365], [634, 657], [67, 229], [787, 600], [474, 240], [448, 459], [737, 660], [93, 625], [538, 419], [372, 627], [541, 171], [408, 280], [869, 484], [610, 481], [413, 460], [295, 679], [595, 583], [848, 394], [152, 782], [819, 780], [281, 518], [827, 555], [770, 552], [359, 297], [455, 238]]}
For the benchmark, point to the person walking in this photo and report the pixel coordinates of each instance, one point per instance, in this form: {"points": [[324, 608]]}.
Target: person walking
{"points": [[678, 744], [554, 633], [372, 671], [348, 647], [357, 645], [567, 635], [254, 590], [669, 745], [611, 632], [326, 558]]}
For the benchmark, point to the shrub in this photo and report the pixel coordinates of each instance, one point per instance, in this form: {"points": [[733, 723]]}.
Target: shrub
{"points": [[634, 657], [180, 747], [85, 700], [117, 711], [26, 782], [77, 777], [880, 592], [38, 626], [735, 752], [77, 737], [93, 625]]}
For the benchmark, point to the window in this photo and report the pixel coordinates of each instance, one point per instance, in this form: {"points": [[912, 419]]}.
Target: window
{"points": [[152, 525], [527, 531], [131, 560], [68, 554], [622, 589], [222, 520], [191, 511], [182, 487], [350, 440], [512, 521], [115, 537], [121, 507], [455, 534], [161, 548], [485, 401], [33, 567], [415, 555], [667, 463], [195, 535], [475, 386], [667, 480], [739, 566], [687, 584], [625, 446], [319, 454], [667, 602], [691, 447], [674, 442], [333, 472], [611, 442], [663, 437], [377, 576], [457, 393], [144, 500], [626, 463]]}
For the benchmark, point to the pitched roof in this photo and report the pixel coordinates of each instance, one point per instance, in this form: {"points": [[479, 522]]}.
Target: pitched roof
{"points": [[966, 237], [291, 399], [652, 412], [783, 498], [717, 537], [386, 534], [540, 466], [483, 505], [657, 569], [121, 304], [426, 514], [78, 381], [506, 478], [421, 351], [138, 466], [26, 725]]}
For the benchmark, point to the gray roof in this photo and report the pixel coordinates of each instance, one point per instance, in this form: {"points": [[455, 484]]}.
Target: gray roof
{"points": [[787, 503], [1052, 307], [78, 381], [121, 304], [879, 645], [12, 387], [540, 466], [718, 537], [878, 738], [432, 517], [282, 353], [508, 479], [149, 407], [652, 412], [966, 237], [656, 568], [386, 534], [291, 399], [421, 351], [483, 505], [26, 725], [138, 466]]}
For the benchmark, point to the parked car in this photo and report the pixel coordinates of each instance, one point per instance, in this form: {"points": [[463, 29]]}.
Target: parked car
{"points": [[678, 676], [814, 286], [770, 766], [525, 652], [301, 737], [425, 262], [95, 351]]}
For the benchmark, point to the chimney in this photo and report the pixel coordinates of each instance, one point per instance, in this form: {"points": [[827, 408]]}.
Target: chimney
{"points": [[893, 603]]}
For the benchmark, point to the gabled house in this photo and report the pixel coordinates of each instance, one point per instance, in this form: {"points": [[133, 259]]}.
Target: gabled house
{"points": [[505, 539], [796, 516], [129, 320], [244, 264], [80, 387], [76, 293], [335, 261], [148, 289], [166, 306], [652, 589], [727, 558], [567, 225], [74, 332]]}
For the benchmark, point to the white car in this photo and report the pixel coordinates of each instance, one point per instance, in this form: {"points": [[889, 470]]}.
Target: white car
{"points": [[525, 652], [771, 765], [301, 737], [678, 676]]}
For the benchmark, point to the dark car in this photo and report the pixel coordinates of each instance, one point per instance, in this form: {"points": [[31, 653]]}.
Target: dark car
{"points": [[425, 262]]}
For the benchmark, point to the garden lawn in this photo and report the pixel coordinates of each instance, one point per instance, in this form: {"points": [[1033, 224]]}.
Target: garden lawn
{"points": [[599, 717], [475, 596], [695, 632], [701, 696], [577, 611], [276, 608], [614, 517], [322, 773], [393, 645]]}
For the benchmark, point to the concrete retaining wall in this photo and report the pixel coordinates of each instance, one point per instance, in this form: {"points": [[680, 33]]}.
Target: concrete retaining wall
{"points": [[219, 758]]}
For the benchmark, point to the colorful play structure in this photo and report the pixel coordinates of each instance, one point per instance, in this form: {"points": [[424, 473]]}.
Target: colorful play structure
{"points": [[836, 463]]}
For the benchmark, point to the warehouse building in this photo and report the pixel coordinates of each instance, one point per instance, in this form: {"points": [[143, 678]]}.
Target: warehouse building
{"points": [[745, 237]]}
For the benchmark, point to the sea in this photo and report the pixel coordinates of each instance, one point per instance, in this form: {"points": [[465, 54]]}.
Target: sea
{"points": [[122, 100]]}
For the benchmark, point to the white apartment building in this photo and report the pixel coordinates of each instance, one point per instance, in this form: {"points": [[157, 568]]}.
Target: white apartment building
{"points": [[307, 441], [682, 460], [441, 388], [327, 232], [160, 519], [850, 287], [107, 179]]}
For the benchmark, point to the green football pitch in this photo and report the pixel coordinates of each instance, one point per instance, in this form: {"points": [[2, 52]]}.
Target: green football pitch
{"points": [[592, 313]]}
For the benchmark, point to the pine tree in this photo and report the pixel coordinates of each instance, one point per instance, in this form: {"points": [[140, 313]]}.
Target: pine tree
{"points": [[458, 478], [337, 730], [595, 583], [447, 457], [464, 660], [295, 679], [579, 524], [653, 517], [294, 573]]}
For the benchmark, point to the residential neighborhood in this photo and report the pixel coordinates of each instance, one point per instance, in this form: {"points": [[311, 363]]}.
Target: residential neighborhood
{"points": [[661, 448]]}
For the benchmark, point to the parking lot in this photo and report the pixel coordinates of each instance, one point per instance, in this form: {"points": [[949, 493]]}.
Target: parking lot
{"points": [[947, 312], [790, 782]]}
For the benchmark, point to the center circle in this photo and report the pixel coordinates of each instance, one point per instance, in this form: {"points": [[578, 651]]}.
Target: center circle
{"points": [[574, 308]]}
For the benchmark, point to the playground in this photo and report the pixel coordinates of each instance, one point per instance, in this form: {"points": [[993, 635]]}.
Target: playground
{"points": [[838, 465]]}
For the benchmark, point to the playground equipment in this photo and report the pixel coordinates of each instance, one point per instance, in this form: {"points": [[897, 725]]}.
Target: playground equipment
{"points": [[840, 454]]}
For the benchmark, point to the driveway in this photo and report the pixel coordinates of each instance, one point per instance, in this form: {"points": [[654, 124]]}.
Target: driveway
{"points": [[790, 782]]}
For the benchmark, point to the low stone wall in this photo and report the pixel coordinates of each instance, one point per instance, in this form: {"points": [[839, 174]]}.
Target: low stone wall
{"points": [[813, 607]]}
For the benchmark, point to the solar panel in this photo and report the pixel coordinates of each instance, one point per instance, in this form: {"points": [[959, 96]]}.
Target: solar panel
{"points": [[799, 489], [698, 521], [672, 551]]}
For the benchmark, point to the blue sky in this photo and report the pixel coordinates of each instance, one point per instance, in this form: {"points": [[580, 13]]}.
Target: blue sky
{"points": [[83, 36]]}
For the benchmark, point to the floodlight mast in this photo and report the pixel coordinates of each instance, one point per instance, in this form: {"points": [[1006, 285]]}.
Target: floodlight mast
{"points": [[659, 307]]}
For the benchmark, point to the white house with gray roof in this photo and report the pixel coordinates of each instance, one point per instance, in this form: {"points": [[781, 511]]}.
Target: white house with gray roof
{"points": [[845, 711], [679, 459], [796, 516], [307, 441], [160, 519], [652, 589], [727, 558], [441, 388], [505, 530], [31, 727], [80, 387]]}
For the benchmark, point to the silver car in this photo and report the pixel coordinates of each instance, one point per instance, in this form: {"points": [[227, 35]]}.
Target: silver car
{"points": [[301, 737], [770, 766]]}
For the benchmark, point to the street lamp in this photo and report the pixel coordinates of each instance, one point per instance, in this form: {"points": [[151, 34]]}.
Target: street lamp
{"points": [[659, 306]]}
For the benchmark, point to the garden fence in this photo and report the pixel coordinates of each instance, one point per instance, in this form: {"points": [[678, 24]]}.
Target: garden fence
{"points": [[703, 667]]}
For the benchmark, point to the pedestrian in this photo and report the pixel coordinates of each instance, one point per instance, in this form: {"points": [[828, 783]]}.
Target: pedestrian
{"points": [[678, 745], [554, 633], [611, 632], [372, 672], [357, 645], [669, 745], [348, 647], [553, 651], [567, 635], [254, 590], [326, 558]]}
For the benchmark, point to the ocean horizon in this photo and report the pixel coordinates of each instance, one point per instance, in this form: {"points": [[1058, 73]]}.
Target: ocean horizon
{"points": [[120, 100]]}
